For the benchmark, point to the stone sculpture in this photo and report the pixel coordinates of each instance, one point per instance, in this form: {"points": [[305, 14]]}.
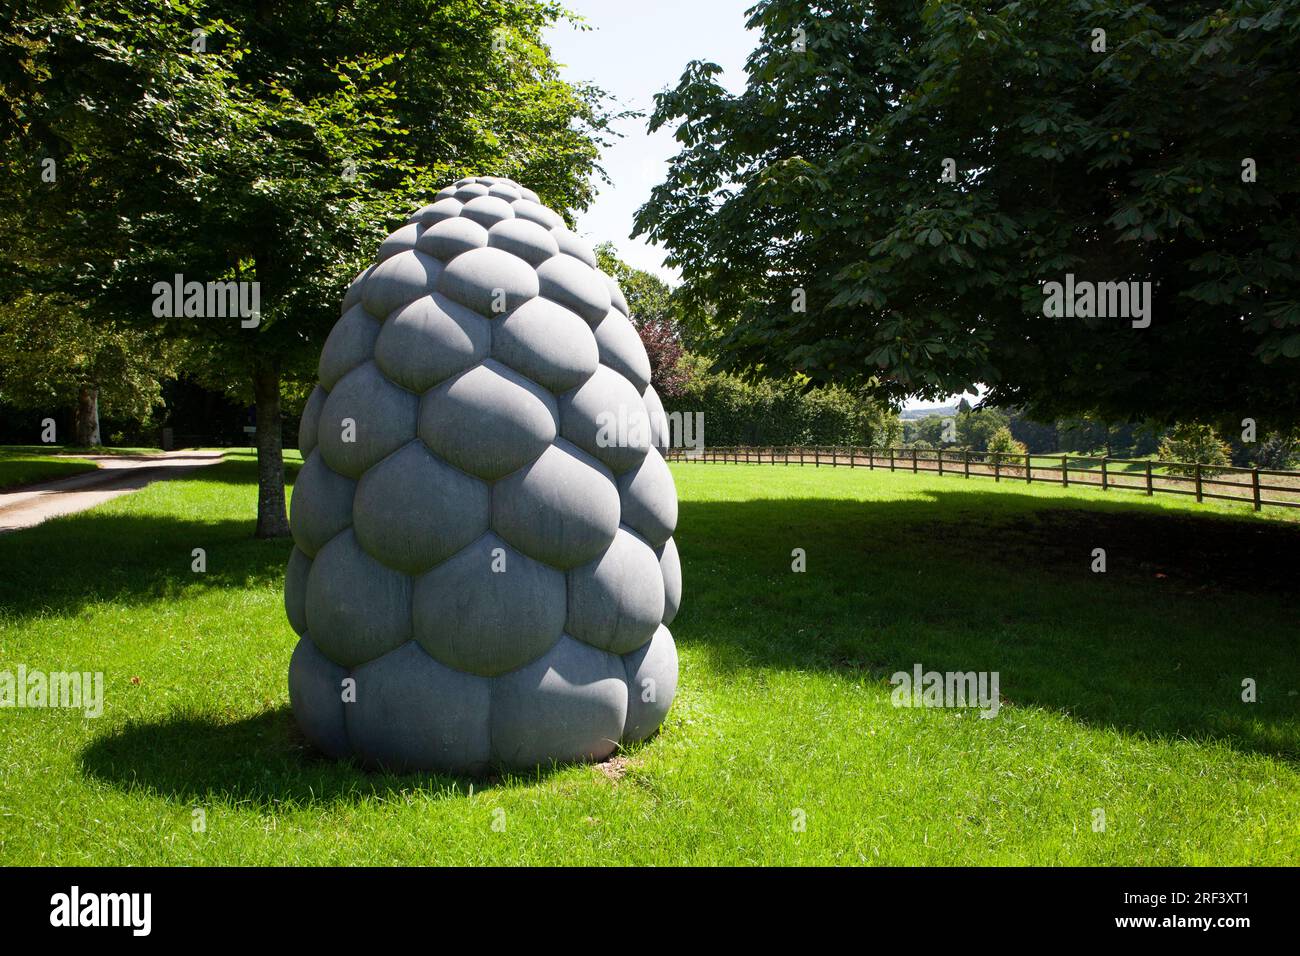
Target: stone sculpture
{"points": [[483, 522]]}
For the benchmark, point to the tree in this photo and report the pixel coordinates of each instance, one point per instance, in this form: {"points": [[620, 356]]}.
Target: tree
{"points": [[1194, 442], [739, 412], [1004, 443], [270, 144], [54, 356], [655, 314], [1278, 450], [915, 172], [976, 428]]}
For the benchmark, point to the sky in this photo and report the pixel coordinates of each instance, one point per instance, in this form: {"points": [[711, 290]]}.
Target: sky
{"points": [[635, 49]]}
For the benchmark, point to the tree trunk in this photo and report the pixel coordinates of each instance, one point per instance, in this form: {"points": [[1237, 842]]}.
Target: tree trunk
{"points": [[87, 427], [272, 519]]}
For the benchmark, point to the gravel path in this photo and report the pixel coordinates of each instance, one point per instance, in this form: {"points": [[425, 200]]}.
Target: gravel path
{"points": [[117, 475]]}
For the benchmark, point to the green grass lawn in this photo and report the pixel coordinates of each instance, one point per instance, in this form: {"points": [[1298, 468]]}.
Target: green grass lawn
{"points": [[1122, 691], [27, 464]]}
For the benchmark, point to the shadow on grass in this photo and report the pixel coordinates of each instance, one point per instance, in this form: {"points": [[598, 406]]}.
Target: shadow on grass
{"points": [[968, 579], [263, 760], [71, 562], [1189, 606]]}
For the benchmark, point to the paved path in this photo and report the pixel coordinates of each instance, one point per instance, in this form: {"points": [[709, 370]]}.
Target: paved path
{"points": [[117, 475]]}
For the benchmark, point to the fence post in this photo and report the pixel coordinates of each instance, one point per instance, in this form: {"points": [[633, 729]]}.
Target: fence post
{"points": [[1065, 471], [965, 461], [1254, 481], [871, 459], [817, 456], [1029, 474], [1151, 488], [914, 468], [891, 459], [1200, 497], [940, 462], [997, 467], [1105, 480], [835, 455]]}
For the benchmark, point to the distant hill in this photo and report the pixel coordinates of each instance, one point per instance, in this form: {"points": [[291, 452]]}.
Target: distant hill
{"points": [[914, 414]]}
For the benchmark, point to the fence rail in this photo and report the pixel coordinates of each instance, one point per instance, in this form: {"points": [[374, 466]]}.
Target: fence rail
{"points": [[1133, 474]]}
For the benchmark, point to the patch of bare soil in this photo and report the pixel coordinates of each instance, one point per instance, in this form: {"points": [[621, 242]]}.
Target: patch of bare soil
{"points": [[614, 768]]}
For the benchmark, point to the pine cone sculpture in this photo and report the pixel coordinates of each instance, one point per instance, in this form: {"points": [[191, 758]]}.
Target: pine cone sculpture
{"points": [[483, 521]]}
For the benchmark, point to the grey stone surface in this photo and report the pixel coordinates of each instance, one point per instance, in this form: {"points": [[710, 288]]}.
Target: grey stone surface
{"points": [[321, 505], [403, 240], [357, 608], [353, 295], [525, 239], [309, 424], [412, 713], [295, 590], [621, 349], [444, 208], [488, 210], [670, 566], [535, 212], [506, 191], [490, 281], [648, 499], [447, 239], [488, 421], [489, 609], [561, 509], [546, 342], [413, 510], [616, 297], [660, 429], [606, 417], [574, 285], [571, 245], [494, 588], [383, 418], [351, 342], [316, 695], [570, 704], [651, 685], [429, 340], [617, 600], [399, 280]]}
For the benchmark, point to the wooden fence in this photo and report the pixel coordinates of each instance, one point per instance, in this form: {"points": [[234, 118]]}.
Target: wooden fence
{"points": [[1141, 475]]}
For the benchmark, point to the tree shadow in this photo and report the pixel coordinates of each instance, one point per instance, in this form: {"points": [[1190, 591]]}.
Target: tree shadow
{"points": [[103, 555], [263, 760], [1189, 606], [960, 580]]}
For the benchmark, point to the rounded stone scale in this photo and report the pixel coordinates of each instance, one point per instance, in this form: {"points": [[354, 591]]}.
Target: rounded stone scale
{"points": [[483, 573]]}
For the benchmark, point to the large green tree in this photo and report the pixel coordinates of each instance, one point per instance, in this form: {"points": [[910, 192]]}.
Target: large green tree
{"points": [[914, 172], [276, 143], [55, 357]]}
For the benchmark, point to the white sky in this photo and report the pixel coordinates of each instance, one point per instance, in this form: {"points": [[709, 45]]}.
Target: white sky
{"points": [[635, 49]]}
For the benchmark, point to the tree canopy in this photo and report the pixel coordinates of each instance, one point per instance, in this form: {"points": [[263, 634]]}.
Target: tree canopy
{"points": [[271, 143], [915, 173]]}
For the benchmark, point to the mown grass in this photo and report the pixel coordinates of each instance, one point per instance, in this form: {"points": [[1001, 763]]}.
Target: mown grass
{"points": [[27, 464], [1122, 690]]}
